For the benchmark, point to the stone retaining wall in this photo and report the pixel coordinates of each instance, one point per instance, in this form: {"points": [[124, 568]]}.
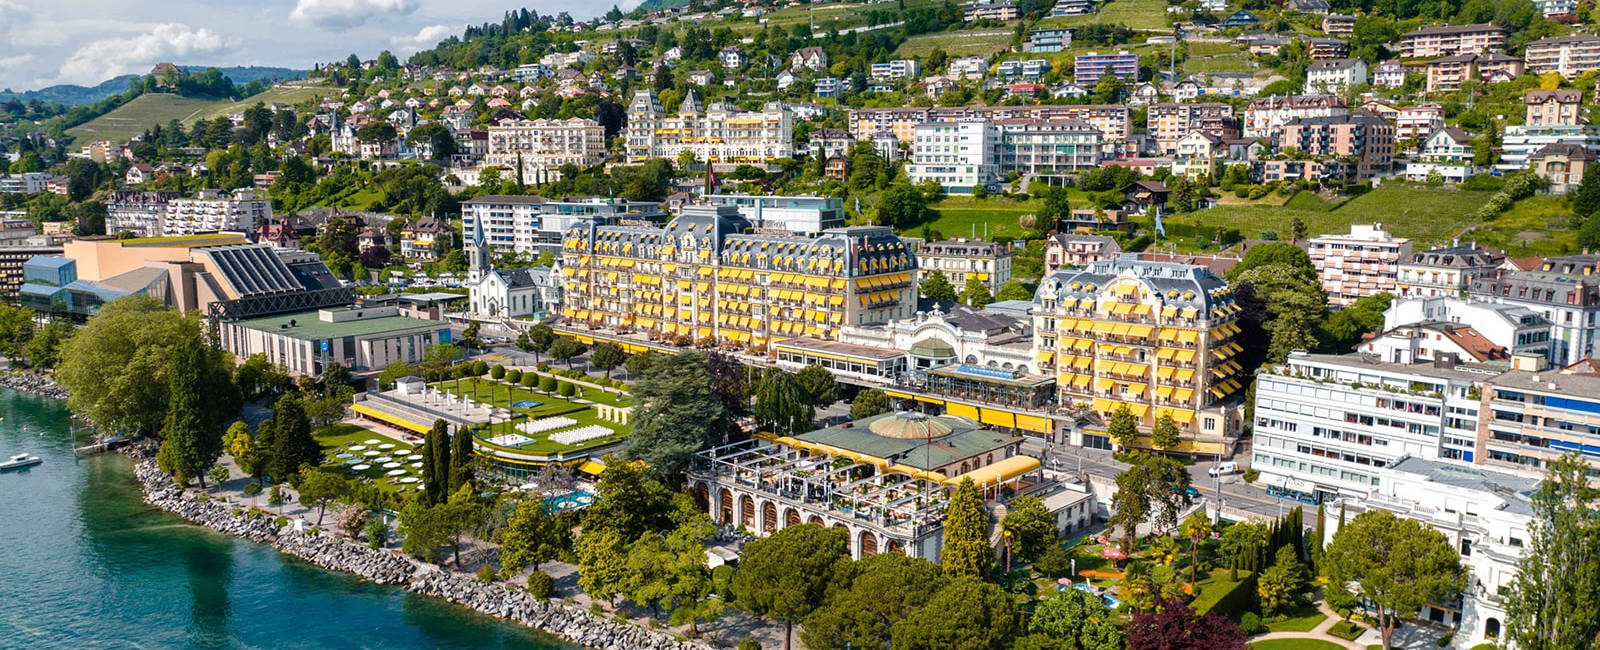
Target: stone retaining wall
{"points": [[33, 382], [390, 568]]}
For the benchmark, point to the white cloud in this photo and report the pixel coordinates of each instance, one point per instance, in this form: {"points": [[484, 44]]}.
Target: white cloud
{"points": [[109, 57], [424, 38], [334, 14]]}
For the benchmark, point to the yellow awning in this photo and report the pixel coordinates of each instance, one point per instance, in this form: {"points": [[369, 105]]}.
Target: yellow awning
{"points": [[1183, 356], [1045, 356], [999, 472], [1188, 336], [391, 419]]}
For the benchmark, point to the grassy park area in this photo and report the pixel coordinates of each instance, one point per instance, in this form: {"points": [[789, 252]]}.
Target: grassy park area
{"points": [[504, 395], [1428, 215], [141, 113], [1295, 644], [348, 447]]}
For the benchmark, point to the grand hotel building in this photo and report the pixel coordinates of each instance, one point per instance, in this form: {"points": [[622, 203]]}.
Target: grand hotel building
{"points": [[708, 277], [1158, 337]]}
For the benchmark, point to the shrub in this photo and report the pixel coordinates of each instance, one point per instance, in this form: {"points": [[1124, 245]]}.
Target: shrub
{"points": [[749, 644], [547, 384], [1250, 475], [1346, 630], [540, 584], [567, 389], [486, 574], [275, 497], [722, 581], [497, 372], [237, 512], [377, 533], [280, 522], [543, 366], [252, 489], [514, 376], [529, 380], [1445, 639], [1251, 624]]}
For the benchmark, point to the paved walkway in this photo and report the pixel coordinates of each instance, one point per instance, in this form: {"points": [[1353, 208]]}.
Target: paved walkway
{"points": [[1319, 633]]}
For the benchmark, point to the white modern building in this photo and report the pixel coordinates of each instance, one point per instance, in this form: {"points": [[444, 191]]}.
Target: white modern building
{"points": [[1335, 76], [214, 211], [1326, 425], [530, 225], [1359, 264], [957, 155], [1518, 329], [137, 211], [808, 215], [542, 146], [1520, 142], [896, 69], [1036, 146], [361, 338]]}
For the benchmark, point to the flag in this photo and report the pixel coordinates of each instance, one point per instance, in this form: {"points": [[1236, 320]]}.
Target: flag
{"points": [[858, 205], [1161, 231], [711, 180]]}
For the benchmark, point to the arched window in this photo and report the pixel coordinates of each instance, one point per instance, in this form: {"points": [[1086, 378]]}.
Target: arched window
{"points": [[1491, 629]]}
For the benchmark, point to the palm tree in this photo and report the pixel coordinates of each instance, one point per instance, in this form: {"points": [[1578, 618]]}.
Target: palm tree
{"points": [[1196, 528]]}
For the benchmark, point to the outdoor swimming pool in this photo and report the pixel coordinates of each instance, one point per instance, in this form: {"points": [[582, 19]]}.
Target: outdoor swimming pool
{"points": [[572, 500], [1110, 600], [526, 404]]}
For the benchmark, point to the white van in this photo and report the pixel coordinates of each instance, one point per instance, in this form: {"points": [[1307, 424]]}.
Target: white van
{"points": [[1223, 469]]}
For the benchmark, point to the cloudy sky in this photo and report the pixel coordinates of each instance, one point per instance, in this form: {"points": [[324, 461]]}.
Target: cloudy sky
{"points": [[44, 42]]}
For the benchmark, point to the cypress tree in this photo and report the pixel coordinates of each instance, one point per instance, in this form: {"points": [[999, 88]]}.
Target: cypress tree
{"points": [[461, 456], [441, 463], [966, 534], [292, 442], [193, 437], [431, 472]]}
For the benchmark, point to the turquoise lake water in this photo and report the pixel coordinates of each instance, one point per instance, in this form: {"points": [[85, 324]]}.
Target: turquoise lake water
{"points": [[88, 565]]}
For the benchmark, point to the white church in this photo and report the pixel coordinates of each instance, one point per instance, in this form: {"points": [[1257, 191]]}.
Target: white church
{"points": [[529, 293]]}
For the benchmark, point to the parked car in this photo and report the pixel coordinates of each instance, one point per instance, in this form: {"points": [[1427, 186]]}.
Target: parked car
{"points": [[1223, 469]]}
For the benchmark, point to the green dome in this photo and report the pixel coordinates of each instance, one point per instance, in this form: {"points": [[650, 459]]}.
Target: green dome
{"points": [[909, 425], [932, 347]]}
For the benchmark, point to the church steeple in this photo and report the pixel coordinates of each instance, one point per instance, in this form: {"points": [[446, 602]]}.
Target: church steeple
{"points": [[479, 258]]}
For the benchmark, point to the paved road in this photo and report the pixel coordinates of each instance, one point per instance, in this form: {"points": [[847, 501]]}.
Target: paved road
{"points": [[1235, 494]]}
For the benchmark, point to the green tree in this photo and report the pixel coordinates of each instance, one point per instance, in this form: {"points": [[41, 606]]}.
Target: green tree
{"points": [[1164, 435], [1029, 529], [532, 536], [240, 444], [258, 377], [602, 563], [782, 406], [320, 488], [868, 403], [966, 534], [1123, 427], [1242, 543], [937, 287], [1287, 302], [677, 413], [967, 614], [192, 435], [631, 502], [1280, 585], [870, 596], [458, 515], [606, 356], [691, 590], [1586, 199], [1014, 290], [1398, 564], [16, 329], [1078, 618], [395, 370], [461, 458], [1273, 253], [292, 442], [784, 577], [566, 349], [1551, 603], [436, 480], [44, 349], [1154, 489], [1195, 528], [537, 340], [975, 294], [818, 385], [422, 528]]}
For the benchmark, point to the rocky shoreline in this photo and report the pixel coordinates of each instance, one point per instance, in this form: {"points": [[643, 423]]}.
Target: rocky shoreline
{"points": [[33, 382], [389, 568]]}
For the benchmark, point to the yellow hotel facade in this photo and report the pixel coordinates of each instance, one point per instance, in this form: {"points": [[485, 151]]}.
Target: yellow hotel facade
{"points": [[707, 279], [1158, 337]]}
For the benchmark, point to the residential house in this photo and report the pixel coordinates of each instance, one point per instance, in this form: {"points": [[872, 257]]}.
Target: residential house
{"points": [[1389, 74], [998, 11], [812, 58], [1446, 40], [1077, 250], [1335, 76], [1048, 40], [1562, 164], [1087, 68], [1323, 49], [1563, 107], [1446, 271], [1448, 152], [1447, 73], [1141, 197], [1418, 121], [1143, 94]]}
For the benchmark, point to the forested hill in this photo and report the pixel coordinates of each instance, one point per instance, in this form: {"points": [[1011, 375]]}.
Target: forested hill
{"points": [[75, 95]]}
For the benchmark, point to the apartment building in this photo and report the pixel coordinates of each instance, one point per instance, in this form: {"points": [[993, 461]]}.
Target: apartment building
{"points": [[1534, 414], [1000, 11], [1446, 271], [1389, 74], [1088, 68], [718, 133], [1339, 24], [531, 225], [1486, 515], [215, 210], [1563, 165], [1448, 73], [542, 146], [705, 277], [1359, 264], [1445, 40], [1076, 249], [1155, 337], [25, 183], [961, 260], [1113, 120], [1326, 49], [806, 215], [1031, 146], [1169, 122], [1418, 121], [896, 69], [1334, 76], [1562, 107], [1048, 40], [957, 155], [1557, 8], [1568, 56], [1362, 145], [1566, 291], [137, 211], [1517, 329], [1263, 117], [969, 67], [1325, 424]]}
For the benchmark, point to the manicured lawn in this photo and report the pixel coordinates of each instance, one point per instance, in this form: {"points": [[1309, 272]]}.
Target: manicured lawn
{"points": [[986, 41], [1213, 588], [962, 216], [1296, 644], [342, 436], [1301, 619], [502, 395]]}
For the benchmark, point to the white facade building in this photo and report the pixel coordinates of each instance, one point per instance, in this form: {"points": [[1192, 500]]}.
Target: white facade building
{"points": [[957, 155], [1518, 329], [1335, 76], [215, 210], [1326, 425], [808, 215], [718, 133], [530, 225], [1360, 264], [543, 146]]}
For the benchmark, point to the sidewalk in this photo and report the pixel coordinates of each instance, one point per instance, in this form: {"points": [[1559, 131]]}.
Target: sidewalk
{"points": [[1319, 633]]}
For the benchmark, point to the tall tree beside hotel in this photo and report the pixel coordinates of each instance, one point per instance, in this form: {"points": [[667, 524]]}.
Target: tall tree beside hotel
{"points": [[1153, 489], [116, 367], [1123, 429], [1398, 564], [785, 577], [677, 414], [869, 596], [819, 386], [292, 442], [937, 287], [1029, 528], [607, 356], [532, 536], [1552, 602], [191, 436], [1079, 620], [966, 534], [967, 613], [868, 403], [442, 469], [782, 407], [975, 293]]}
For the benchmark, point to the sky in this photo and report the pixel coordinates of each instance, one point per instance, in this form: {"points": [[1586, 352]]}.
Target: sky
{"points": [[85, 42]]}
